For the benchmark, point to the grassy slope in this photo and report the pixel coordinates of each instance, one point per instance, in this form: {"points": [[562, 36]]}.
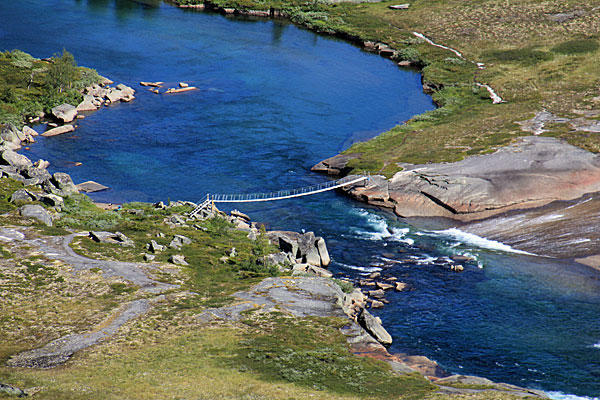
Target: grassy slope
{"points": [[516, 40]]}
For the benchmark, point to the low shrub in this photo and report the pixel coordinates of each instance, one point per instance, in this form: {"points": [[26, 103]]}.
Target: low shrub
{"points": [[526, 56], [577, 46]]}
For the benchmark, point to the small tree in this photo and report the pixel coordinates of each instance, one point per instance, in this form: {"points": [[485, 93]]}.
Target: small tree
{"points": [[62, 72]]}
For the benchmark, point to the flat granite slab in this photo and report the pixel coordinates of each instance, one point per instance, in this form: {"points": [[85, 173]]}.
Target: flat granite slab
{"points": [[91, 187]]}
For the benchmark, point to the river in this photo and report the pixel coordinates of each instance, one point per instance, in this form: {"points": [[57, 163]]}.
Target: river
{"points": [[273, 100]]}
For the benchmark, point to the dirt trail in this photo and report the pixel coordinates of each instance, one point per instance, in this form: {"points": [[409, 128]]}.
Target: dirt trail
{"points": [[57, 248]]}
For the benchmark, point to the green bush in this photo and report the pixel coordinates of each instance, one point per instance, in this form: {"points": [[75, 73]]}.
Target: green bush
{"points": [[577, 46], [526, 56], [410, 54]]}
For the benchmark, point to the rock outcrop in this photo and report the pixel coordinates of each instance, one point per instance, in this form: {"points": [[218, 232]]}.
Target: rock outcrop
{"points": [[112, 238], [373, 325], [9, 157], [305, 248], [531, 172], [336, 165]]}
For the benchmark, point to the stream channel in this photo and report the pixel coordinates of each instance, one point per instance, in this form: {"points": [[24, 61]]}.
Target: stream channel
{"points": [[273, 100]]}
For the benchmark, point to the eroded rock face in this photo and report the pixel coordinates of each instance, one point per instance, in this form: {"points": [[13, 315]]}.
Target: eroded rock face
{"points": [[532, 172]]}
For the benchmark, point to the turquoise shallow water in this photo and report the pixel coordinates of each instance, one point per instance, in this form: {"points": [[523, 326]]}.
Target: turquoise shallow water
{"points": [[273, 101]]}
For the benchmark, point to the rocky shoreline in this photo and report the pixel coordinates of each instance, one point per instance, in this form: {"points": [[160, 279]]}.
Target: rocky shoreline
{"points": [[532, 172], [303, 256], [305, 253]]}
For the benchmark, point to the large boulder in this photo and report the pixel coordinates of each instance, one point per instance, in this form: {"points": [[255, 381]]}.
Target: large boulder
{"points": [[9, 133], [305, 247], [112, 238], [52, 200], [87, 104], [126, 90], [35, 176], [308, 251], [27, 131], [178, 259], [59, 130], [36, 212], [155, 247], [373, 326], [178, 241], [65, 113], [286, 241], [323, 252], [64, 183], [21, 195], [9, 157], [9, 390]]}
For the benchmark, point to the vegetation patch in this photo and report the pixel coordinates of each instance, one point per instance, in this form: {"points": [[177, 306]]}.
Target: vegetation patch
{"points": [[312, 352], [577, 46], [525, 56], [30, 87]]}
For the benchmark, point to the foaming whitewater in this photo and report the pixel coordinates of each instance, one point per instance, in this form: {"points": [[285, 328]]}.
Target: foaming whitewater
{"points": [[379, 229], [478, 241], [563, 396], [355, 267]]}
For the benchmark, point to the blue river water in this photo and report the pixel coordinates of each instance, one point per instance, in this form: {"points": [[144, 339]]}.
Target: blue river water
{"points": [[273, 100]]}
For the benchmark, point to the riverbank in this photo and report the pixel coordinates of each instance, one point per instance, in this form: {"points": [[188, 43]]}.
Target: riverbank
{"points": [[126, 305], [483, 106], [495, 44], [278, 185]]}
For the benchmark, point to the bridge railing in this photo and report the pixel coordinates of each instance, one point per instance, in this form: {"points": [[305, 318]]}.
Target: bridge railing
{"points": [[279, 195]]}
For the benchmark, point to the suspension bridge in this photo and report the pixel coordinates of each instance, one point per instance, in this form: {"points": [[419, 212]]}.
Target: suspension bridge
{"points": [[280, 195]]}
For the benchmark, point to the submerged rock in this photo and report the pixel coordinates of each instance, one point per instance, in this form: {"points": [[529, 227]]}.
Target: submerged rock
{"points": [[58, 130]]}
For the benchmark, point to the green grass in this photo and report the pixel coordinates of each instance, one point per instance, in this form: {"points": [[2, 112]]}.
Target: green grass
{"points": [[577, 46], [312, 352]]}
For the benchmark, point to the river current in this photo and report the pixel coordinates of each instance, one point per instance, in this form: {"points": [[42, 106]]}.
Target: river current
{"points": [[273, 100]]}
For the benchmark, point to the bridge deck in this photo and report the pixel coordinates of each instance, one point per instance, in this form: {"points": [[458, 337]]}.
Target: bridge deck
{"points": [[273, 196]]}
